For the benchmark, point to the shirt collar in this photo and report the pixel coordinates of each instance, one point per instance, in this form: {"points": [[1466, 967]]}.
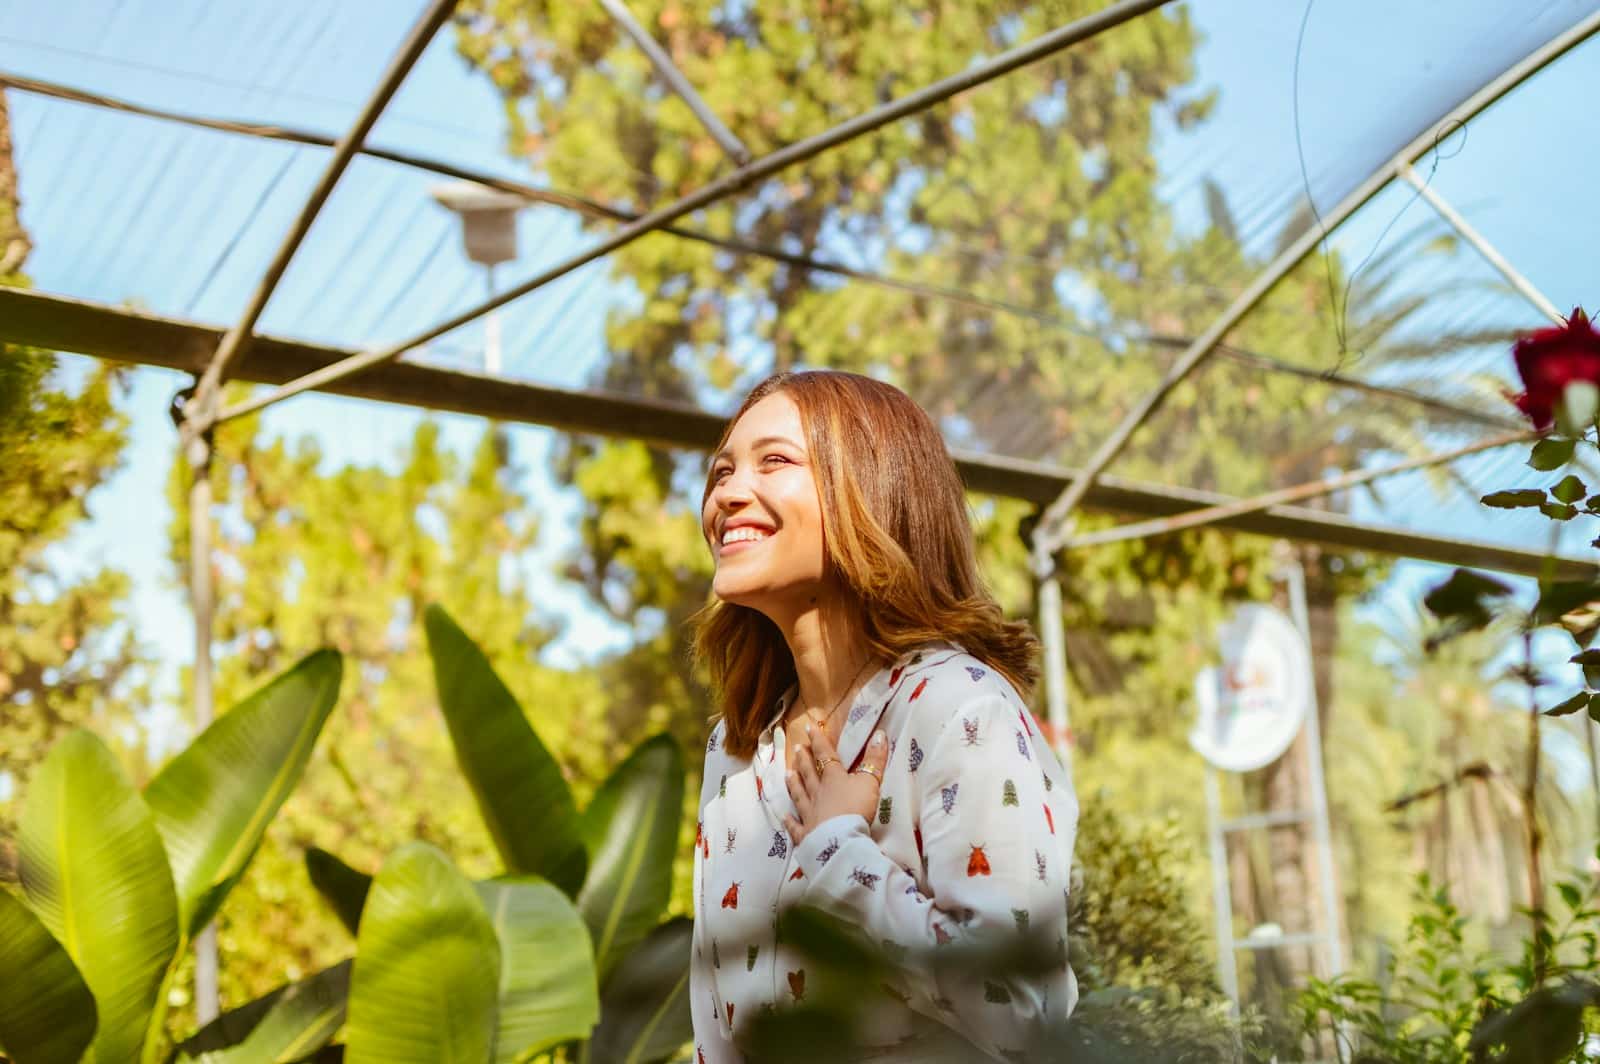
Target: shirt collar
{"points": [[867, 707]]}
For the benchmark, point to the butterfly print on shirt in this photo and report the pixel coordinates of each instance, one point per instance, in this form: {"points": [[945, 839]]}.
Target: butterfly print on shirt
{"points": [[828, 851], [1022, 747], [733, 833], [780, 845], [866, 879], [978, 863], [730, 900], [947, 797], [917, 693], [976, 673], [914, 762], [969, 727], [1008, 794]]}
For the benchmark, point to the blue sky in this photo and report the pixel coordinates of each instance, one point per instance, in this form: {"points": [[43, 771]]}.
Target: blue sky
{"points": [[98, 187]]}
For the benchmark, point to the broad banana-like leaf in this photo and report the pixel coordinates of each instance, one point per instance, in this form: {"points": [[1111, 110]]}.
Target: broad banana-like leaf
{"points": [[427, 968], [287, 1025], [644, 1008], [345, 888], [631, 830], [214, 800], [54, 1021], [519, 788], [548, 992], [94, 872]]}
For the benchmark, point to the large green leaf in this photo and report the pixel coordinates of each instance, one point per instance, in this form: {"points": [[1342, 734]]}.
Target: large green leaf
{"points": [[519, 787], [547, 980], [214, 800], [631, 831], [53, 1023], [343, 887], [644, 1009], [427, 970], [94, 871], [287, 1025]]}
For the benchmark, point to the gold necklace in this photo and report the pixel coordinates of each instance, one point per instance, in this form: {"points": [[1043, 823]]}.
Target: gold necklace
{"points": [[849, 688]]}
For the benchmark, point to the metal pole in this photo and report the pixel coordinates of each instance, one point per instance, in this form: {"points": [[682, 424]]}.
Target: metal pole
{"points": [[1055, 665], [491, 330], [1221, 892], [1490, 253], [1045, 45], [1298, 493], [677, 82], [1296, 579], [201, 597], [207, 394], [1051, 525]]}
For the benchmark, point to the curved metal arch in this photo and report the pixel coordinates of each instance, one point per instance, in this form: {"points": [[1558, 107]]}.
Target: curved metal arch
{"points": [[1051, 533]]}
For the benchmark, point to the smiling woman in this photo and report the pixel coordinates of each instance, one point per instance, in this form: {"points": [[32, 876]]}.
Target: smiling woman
{"points": [[932, 812]]}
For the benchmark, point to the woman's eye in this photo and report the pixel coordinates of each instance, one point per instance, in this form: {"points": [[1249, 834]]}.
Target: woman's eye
{"points": [[775, 457]]}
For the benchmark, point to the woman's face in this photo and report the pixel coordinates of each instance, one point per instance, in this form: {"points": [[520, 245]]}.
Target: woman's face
{"points": [[763, 518]]}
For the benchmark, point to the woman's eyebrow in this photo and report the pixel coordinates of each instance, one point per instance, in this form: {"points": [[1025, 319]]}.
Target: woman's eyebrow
{"points": [[762, 442]]}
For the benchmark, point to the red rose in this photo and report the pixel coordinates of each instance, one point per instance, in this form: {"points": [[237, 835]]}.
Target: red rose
{"points": [[1551, 359]]}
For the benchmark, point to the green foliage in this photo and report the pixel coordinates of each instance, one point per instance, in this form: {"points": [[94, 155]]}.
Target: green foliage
{"points": [[116, 881], [67, 656], [1131, 917], [1440, 1001], [350, 558], [426, 981], [525, 803], [56, 1021], [94, 872]]}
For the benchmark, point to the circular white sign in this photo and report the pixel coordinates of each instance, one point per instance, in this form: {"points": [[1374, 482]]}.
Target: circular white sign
{"points": [[1251, 705]]}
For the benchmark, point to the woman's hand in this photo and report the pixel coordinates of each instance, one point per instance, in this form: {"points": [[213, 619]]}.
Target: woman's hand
{"points": [[834, 791]]}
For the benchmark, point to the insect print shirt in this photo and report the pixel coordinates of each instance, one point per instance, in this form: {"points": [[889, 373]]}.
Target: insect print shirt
{"points": [[972, 837]]}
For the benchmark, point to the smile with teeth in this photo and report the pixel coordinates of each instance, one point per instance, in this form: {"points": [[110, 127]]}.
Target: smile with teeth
{"points": [[743, 535]]}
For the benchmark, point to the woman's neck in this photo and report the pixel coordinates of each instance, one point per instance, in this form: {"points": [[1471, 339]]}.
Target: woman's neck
{"points": [[830, 653]]}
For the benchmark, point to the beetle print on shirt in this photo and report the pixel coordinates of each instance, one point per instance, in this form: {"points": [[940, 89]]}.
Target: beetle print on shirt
{"points": [[970, 833]]}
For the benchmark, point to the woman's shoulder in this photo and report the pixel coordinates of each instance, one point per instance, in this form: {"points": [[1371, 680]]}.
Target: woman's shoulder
{"points": [[943, 681]]}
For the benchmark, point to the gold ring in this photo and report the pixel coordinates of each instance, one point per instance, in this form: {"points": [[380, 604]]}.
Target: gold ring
{"points": [[824, 762], [876, 774]]}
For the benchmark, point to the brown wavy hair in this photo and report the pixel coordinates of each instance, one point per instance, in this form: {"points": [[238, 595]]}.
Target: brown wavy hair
{"points": [[897, 534]]}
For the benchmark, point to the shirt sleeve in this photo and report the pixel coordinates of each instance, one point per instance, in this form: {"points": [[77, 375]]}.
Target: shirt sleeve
{"points": [[710, 1044], [996, 874]]}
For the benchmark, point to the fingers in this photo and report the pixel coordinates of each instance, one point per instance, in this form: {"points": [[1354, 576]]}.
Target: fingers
{"points": [[876, 757], [804, 765], [797, 831], [798, 794], [824, 749]]}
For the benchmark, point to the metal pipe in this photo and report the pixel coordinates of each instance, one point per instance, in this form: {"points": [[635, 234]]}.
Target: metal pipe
{"points": [[205, 399], [201, 600], [57, 323], [1045, 45], [1051, 525], [1298, 493], [675, 80], [1296, 578], [608, 212], [1053, 636], [1489, 252]]}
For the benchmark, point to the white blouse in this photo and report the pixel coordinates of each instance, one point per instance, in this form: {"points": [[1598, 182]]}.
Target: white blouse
{"points": [[973, 837]]}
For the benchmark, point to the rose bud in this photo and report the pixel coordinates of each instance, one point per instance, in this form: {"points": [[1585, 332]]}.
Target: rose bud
{"points": [[1551, 360]]}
